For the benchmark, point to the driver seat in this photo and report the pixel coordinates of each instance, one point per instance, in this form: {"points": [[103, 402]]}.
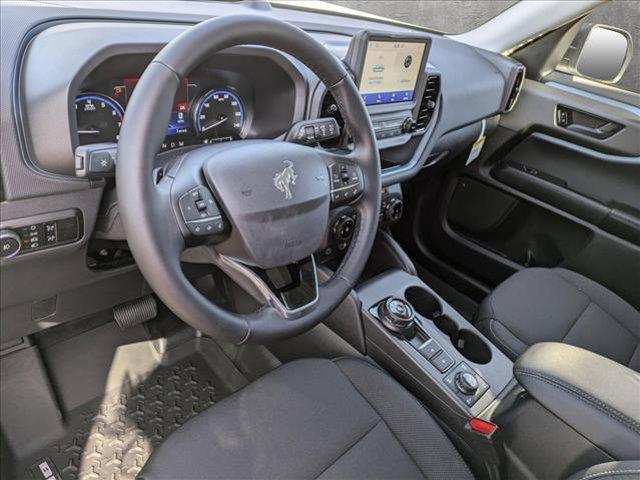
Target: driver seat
{"points": [[311, 418]]}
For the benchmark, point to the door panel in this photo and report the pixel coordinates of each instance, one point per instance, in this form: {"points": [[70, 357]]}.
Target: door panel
{"points": [[537, 108], [599, 188], [608, 179], [541, 194]]}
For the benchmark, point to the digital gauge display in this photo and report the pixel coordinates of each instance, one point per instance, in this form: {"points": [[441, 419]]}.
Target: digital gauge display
{"points": [[198, 115], [99, 118], [179, 121], [220, 112]]}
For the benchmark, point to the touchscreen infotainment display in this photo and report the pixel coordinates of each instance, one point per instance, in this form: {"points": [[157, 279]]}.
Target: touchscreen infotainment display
{"points": [[390, 71]]}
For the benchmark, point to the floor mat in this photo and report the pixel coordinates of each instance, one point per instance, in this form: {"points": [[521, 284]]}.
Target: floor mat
{"points": [[112, 437]]}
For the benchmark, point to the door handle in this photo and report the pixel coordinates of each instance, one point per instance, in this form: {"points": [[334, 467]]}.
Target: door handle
{"points": [[571, 120], [600, 132]]}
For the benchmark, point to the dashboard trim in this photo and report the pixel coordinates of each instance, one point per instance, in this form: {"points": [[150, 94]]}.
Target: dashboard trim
{"points": [[50, 143]]}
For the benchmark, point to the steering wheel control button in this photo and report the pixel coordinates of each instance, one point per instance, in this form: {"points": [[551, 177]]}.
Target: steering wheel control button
{"points": [[442, 361], [198, 204], [346, 184], [397, 316], [206, 227], [343, 227], [462, 380], [10, 244]]}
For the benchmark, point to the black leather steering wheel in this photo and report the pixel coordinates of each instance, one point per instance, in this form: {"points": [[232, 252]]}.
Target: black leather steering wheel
{"points": [[256, 225]]}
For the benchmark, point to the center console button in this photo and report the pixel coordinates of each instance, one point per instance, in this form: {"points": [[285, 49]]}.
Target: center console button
{"points": [[466, 382], [397, 316], [461, 380], [429, 349], [400, 308], [442, 362]]}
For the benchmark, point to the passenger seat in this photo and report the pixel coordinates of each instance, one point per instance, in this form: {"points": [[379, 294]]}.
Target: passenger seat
{"points": [[557, 305]]}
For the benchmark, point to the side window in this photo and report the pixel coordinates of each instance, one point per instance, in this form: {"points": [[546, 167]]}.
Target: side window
{"points": [[603, 49]]}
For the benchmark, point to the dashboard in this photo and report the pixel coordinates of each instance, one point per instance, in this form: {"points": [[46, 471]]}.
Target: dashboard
{"points": [[70, 71]]}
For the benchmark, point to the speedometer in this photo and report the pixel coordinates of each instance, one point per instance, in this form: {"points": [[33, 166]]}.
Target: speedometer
{"points": [[99, 118], [219, 115]]}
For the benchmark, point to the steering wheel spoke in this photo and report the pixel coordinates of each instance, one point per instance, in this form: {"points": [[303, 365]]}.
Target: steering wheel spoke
{"points": [[291, 289]]}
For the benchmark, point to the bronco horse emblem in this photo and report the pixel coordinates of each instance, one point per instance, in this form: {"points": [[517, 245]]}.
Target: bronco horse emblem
{"points": [[284, 179]]}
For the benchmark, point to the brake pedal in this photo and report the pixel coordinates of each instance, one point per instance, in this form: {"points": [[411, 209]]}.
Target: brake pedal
{"points": [[133, 313]]}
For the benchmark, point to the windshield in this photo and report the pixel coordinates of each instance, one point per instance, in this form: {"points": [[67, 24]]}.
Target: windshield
{"points": [[447, 16]]}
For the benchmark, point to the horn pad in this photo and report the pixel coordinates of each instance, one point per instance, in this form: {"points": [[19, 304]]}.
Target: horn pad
{"points": [[276, 196]]}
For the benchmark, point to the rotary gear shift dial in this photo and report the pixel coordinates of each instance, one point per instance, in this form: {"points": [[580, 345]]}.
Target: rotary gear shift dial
{"points": [[397, 316]]}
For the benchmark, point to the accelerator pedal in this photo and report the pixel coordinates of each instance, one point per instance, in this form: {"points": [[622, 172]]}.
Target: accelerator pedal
{"points": [[133, 313]]}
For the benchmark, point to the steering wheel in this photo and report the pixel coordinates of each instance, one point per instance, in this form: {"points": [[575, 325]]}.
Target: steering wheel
{"points": [[265, 203]]}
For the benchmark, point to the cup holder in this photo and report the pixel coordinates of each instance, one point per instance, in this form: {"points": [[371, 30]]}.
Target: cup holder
{"points": [[468, 343], [447, 326], [472, 347], [423, 302]]}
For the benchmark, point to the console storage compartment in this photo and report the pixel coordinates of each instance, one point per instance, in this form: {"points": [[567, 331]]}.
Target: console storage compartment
{"points": [[578, 409], [597, 397]]}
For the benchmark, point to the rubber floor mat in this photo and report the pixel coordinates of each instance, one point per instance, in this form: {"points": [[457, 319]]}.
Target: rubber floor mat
{"points": [[111, 438]]}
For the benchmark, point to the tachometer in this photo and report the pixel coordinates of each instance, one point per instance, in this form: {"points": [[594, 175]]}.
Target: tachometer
{"points": [[219, 115], [99, 118]]}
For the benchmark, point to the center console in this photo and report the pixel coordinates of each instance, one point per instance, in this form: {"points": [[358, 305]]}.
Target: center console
{"points": [[557, 410], [413, 332]]}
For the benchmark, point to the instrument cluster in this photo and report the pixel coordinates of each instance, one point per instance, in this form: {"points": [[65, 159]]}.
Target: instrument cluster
{"points": [[201, 113]]}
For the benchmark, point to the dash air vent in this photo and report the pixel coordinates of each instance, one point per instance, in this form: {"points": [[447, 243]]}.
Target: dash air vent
{"points": [[515, 90], [428, 103]]}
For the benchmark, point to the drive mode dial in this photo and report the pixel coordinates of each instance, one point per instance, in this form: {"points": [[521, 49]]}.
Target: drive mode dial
{"points": [[466, 382]]}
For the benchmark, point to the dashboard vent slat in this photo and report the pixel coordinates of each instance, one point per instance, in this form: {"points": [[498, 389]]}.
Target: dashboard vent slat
{"points": [[428, 102], [515, 90]]}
